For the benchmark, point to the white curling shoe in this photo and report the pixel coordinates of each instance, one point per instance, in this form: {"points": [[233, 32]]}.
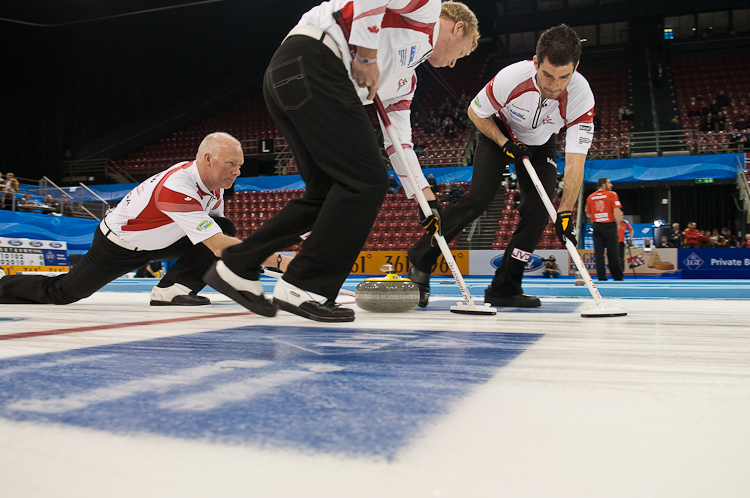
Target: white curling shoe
{"points": [[248, 293], [309, 305], [176, 295]]}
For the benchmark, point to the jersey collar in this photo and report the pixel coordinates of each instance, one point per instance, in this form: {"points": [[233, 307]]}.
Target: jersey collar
{"points": [[202, 189]]}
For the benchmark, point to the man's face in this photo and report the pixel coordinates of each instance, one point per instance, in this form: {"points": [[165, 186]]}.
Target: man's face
{"points": [[675, 226], [553, 80], [451, 44], [225, 168], [664, 239], [691, 226]]}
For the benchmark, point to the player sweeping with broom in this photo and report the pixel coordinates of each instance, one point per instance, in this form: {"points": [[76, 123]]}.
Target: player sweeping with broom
{"points": [[518, 114], [315, 90]]}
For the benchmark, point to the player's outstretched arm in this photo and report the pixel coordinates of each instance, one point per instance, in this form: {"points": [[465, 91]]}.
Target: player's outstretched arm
{"points": [[574, 163], [219, 242]]}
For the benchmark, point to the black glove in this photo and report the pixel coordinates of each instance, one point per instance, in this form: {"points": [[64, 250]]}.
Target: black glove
{"points": [[564, 227], [515, 150], [432, 224]]}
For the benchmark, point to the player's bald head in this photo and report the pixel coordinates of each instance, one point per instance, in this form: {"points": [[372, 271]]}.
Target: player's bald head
{"points": [[214, 142]]}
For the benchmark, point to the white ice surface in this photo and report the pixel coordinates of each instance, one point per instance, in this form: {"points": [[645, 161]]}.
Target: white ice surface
{"points": [[655, 404]]}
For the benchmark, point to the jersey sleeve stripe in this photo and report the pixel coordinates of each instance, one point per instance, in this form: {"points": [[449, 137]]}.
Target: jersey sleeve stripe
{"points": [[491, 95], [402, 105], [411, 7], [172, 201], [347, 12], [391, 150], [394, 20], [152, 216], [373, 12], [586, 117]]}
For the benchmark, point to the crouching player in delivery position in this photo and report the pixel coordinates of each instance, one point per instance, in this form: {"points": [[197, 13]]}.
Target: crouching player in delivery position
{"points": [[315, 90], [176, 213], [518, 114]]}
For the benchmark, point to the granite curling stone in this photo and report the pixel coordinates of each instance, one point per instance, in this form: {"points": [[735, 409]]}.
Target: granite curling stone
{"points": [[390, 294]]}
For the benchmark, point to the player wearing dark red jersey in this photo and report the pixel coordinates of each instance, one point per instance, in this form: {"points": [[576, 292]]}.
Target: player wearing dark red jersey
{"points": [[605, 211]]}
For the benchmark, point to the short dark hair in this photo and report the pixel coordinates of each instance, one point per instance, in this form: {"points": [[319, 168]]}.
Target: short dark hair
{"points": [[559, 45], [601, 182]]}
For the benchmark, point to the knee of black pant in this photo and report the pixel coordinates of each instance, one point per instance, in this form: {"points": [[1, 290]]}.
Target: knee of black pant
{"points": [[377, 187], [66, 299], [536, 220], [477, 200], [226, 225]]}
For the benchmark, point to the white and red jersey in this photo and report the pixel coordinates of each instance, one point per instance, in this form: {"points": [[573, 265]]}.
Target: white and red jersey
{"points": [[513, 95], [166, 207], [404, 33], [601, 205]]}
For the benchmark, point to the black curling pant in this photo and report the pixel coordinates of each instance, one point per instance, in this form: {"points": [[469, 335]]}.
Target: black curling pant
{"points": [[489, 165], [314, 104], [605, 236], [106, 261]]}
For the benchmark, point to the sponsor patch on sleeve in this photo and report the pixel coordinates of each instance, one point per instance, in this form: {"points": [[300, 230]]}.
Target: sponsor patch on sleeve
{"points": [[203, 225]]}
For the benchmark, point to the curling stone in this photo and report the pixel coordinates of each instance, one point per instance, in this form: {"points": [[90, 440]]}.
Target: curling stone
{"points": [[389, 294]]}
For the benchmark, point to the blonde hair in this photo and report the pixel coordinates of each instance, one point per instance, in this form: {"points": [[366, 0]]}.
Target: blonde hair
{"points": [[212, 144], [457, 11]]}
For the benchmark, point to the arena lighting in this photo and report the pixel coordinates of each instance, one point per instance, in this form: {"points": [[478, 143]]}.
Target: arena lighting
{"points": [[584, 39]]}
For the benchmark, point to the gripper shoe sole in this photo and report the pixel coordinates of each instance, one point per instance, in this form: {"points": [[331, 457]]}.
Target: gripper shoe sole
{"points": [[519, 301], [315, 311], [186, 300], [257, 304]]}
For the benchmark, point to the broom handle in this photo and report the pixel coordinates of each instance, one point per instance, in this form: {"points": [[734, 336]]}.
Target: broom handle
{"points": [[424, 206], [568, 243], [421, 200]]}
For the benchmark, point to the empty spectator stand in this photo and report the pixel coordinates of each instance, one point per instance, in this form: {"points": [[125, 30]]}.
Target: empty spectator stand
{"points": [[248, 121], [610, 85], [703, 77]]}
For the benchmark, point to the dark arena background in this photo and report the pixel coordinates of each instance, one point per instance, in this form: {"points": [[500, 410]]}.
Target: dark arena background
{"points": [[112, 397]]}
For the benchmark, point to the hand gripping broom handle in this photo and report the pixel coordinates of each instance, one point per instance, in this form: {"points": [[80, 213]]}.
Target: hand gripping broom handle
{"points": [[568, 243], [449, 260]]}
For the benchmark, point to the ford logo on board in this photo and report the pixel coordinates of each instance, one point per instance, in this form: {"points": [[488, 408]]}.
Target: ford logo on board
{"points": [[535, 263], [55, 245], [15, 243], [35, 243]]}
